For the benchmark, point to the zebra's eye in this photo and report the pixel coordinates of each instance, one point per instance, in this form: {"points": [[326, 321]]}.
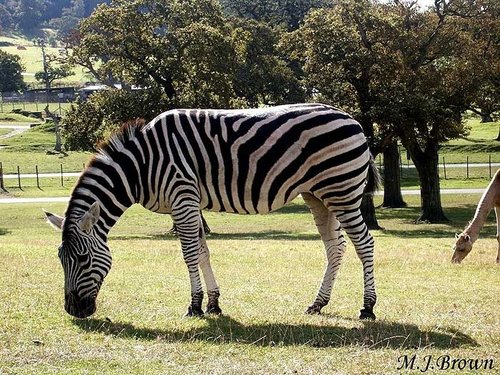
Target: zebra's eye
{"points": [[82, 258]]}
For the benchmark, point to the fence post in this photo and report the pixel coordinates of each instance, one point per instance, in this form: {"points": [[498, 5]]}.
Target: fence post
{"points": [[1, 177], [62, 179], [444, 168], [19, 178], [489, 164], [37, 178], [467, 167]]}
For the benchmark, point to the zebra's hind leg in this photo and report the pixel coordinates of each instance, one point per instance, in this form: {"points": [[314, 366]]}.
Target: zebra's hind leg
{"points": [[208, 274], [329, 229], [187, 222], [353, 224]]}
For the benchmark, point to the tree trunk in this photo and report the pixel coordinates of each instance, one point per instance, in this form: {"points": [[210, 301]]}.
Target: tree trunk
{"points": [[368, 212], [392, 177], [427, 167], [2, 187], [498, 138], [58, 145]]}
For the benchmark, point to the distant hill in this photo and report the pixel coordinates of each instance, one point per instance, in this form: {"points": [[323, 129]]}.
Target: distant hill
{"points": [[28, 16]]}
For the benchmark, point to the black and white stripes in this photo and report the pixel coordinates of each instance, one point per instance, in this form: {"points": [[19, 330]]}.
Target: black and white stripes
{"points": [[239, 161]]}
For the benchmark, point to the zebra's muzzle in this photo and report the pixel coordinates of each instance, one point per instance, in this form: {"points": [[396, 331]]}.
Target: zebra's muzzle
{"points": [[79, 308]]}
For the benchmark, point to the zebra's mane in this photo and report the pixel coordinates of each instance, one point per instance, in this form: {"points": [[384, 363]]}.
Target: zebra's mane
{"points": [[116, 142], [106, 151]]}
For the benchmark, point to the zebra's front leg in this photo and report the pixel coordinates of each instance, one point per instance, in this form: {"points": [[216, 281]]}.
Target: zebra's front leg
{"points": [[187, 223], [356, 229], [210, 282]]}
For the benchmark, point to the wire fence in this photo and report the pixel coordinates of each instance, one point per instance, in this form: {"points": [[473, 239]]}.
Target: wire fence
{"points": [[467, 168], [20, 179], [32, 102], [16, 177]]}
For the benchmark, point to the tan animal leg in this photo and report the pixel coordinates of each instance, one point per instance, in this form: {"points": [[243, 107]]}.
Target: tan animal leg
{"points": [[497, 213]]}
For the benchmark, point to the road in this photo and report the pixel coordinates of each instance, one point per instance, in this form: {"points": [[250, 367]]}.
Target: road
{"points": [[65, 199], [15, 129]]}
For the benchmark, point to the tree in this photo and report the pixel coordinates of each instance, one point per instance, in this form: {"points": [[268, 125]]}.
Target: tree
{"points": [[28, 14], [392, 177], [424, 94], [180, 46], [261, 75], [69, 19], [284, 13], [90, 122], [6, 21], [339, 62], [403, 67], [52, 73], [11, 69], [481, 24]]}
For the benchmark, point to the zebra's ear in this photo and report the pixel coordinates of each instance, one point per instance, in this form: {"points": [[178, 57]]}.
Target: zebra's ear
{"points": [[54, 220], [90, 218]]}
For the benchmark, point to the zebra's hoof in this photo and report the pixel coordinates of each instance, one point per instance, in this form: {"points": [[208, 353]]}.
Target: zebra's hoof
{"points": [[214, 310], [314, 309], [367, 314], [194, 311]]}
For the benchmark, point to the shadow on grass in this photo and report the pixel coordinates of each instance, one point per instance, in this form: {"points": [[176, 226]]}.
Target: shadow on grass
{"points": [[4, 231], [256, 235], [224, 329], [459, 217]]}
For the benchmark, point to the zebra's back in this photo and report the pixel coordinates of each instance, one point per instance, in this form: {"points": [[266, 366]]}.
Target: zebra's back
{"points": [[255, 161]]}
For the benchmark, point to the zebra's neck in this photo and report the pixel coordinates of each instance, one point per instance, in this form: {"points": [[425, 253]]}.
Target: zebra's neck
{"points": [[109, 182]]}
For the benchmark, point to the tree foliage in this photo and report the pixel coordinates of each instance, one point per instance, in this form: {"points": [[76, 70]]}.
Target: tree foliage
{"points": [[181, 47], [287, 14], [404, 71], [11, 69], [90, 122]]}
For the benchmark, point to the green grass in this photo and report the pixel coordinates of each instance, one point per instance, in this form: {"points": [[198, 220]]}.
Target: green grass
{"points": [[31, 58], [34, 147], [268, 268], [479, 145], [10, 118]]}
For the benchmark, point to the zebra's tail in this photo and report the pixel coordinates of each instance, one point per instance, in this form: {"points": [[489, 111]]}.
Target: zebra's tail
{"points": [[374, 181]]}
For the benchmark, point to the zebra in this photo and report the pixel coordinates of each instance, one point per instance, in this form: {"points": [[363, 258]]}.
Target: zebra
{"points": [[250, 161]]}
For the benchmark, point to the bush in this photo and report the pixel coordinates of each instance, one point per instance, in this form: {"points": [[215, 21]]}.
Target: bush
{"points": [[90, 122]]}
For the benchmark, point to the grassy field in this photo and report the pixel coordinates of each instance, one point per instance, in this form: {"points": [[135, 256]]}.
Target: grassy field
{"points": [[31, 58], [268, 268]]}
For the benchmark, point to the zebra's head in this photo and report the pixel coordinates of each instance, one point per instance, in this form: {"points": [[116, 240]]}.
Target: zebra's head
{"points": [[85, 258]]}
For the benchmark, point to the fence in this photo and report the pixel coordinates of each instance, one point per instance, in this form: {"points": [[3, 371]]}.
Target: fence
{"points": [[33, 102], [469, 168], [21, 177]]}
